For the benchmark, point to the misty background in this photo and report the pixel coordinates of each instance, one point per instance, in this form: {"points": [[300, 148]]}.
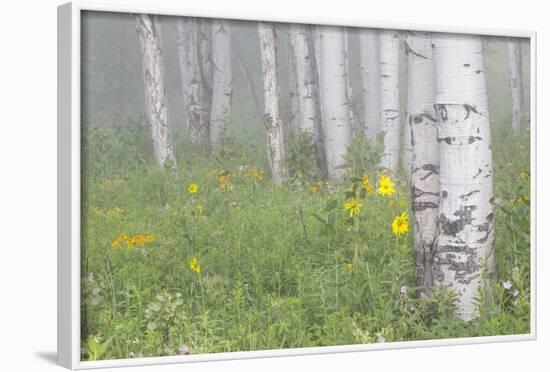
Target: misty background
{"points": [[113, 91]]}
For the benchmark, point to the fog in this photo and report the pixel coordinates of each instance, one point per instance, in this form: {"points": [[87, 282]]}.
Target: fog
{"points": [[112, 76]]}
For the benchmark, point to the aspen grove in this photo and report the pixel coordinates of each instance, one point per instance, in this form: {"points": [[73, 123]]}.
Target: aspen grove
{"points": [[257, 185]]}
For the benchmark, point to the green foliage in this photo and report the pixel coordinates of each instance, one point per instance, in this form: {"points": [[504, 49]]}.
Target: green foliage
{"points": [[301, 158], [363, 156], [280, 266]]}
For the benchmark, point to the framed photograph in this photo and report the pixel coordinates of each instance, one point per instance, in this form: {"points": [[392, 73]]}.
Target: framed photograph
{"points": [[238, 186]]}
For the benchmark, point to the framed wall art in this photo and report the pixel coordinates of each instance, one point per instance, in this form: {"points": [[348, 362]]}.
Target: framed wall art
{"points": [[240, 186]]}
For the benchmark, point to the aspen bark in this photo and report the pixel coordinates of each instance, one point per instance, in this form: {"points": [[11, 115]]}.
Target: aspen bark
{"points": [[425, 153], [369, 45], [335, 104], [148, 28], [389, 101], [292, 81], [272, 116], [407, 150], [198, 116], [465, 246], [514, 81], [308, 110], [222, 85], [184, 31], [349, 88]]}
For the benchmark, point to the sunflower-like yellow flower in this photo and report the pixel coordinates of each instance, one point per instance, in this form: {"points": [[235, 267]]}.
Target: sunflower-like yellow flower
{"points": [[256, 173], [130, 241], [192, 188], [194, 265], [352, 207], [385, 186], [365, 183], [225, 183], [400, 224]]}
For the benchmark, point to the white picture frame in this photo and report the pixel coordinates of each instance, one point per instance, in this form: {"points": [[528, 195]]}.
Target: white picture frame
{"points": [[69, 174]]}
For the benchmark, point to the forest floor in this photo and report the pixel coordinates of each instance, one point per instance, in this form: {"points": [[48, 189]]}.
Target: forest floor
{"points": [[217, 258]]}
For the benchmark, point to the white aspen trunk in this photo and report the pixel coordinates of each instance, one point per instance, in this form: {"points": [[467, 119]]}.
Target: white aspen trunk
{"points": [[407, 150], [316, 46], [389, 100], [466, 214], [514, 82], [205, 40], [184, 31], [349, 89], [369, 46], [198, 116], [309, 119], [148, 28], [222, 82], [335, 105], [272, 116], [316, 35], [425, 153], [524, 90], [292, 82]]}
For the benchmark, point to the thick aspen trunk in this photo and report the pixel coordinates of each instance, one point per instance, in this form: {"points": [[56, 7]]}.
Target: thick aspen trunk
{"points": [[148, 28], [335, 104], [272, 116], [198, 116], [205, 42], [425, 153], [465, 246], [316, 46], [514, 79], [184, 33], [292, 81], [389, 101], [349, 88], [407, 150], [309, 117], [222, 82], [370, 74]]}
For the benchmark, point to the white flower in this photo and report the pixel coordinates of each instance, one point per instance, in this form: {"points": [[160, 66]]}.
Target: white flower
{"points": [[516, 292], [403, 290], [507, 284]]}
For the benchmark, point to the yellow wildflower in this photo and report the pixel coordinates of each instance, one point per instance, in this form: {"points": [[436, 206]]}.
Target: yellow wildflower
{"points": [[365, 183], [256, 173], [149, 239], [193, 188], [313, 189], [194, 265], [352, 207], [115, 243], [400, 224], [349, 266], [224, 183], [199, 209], [385, 186]]}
